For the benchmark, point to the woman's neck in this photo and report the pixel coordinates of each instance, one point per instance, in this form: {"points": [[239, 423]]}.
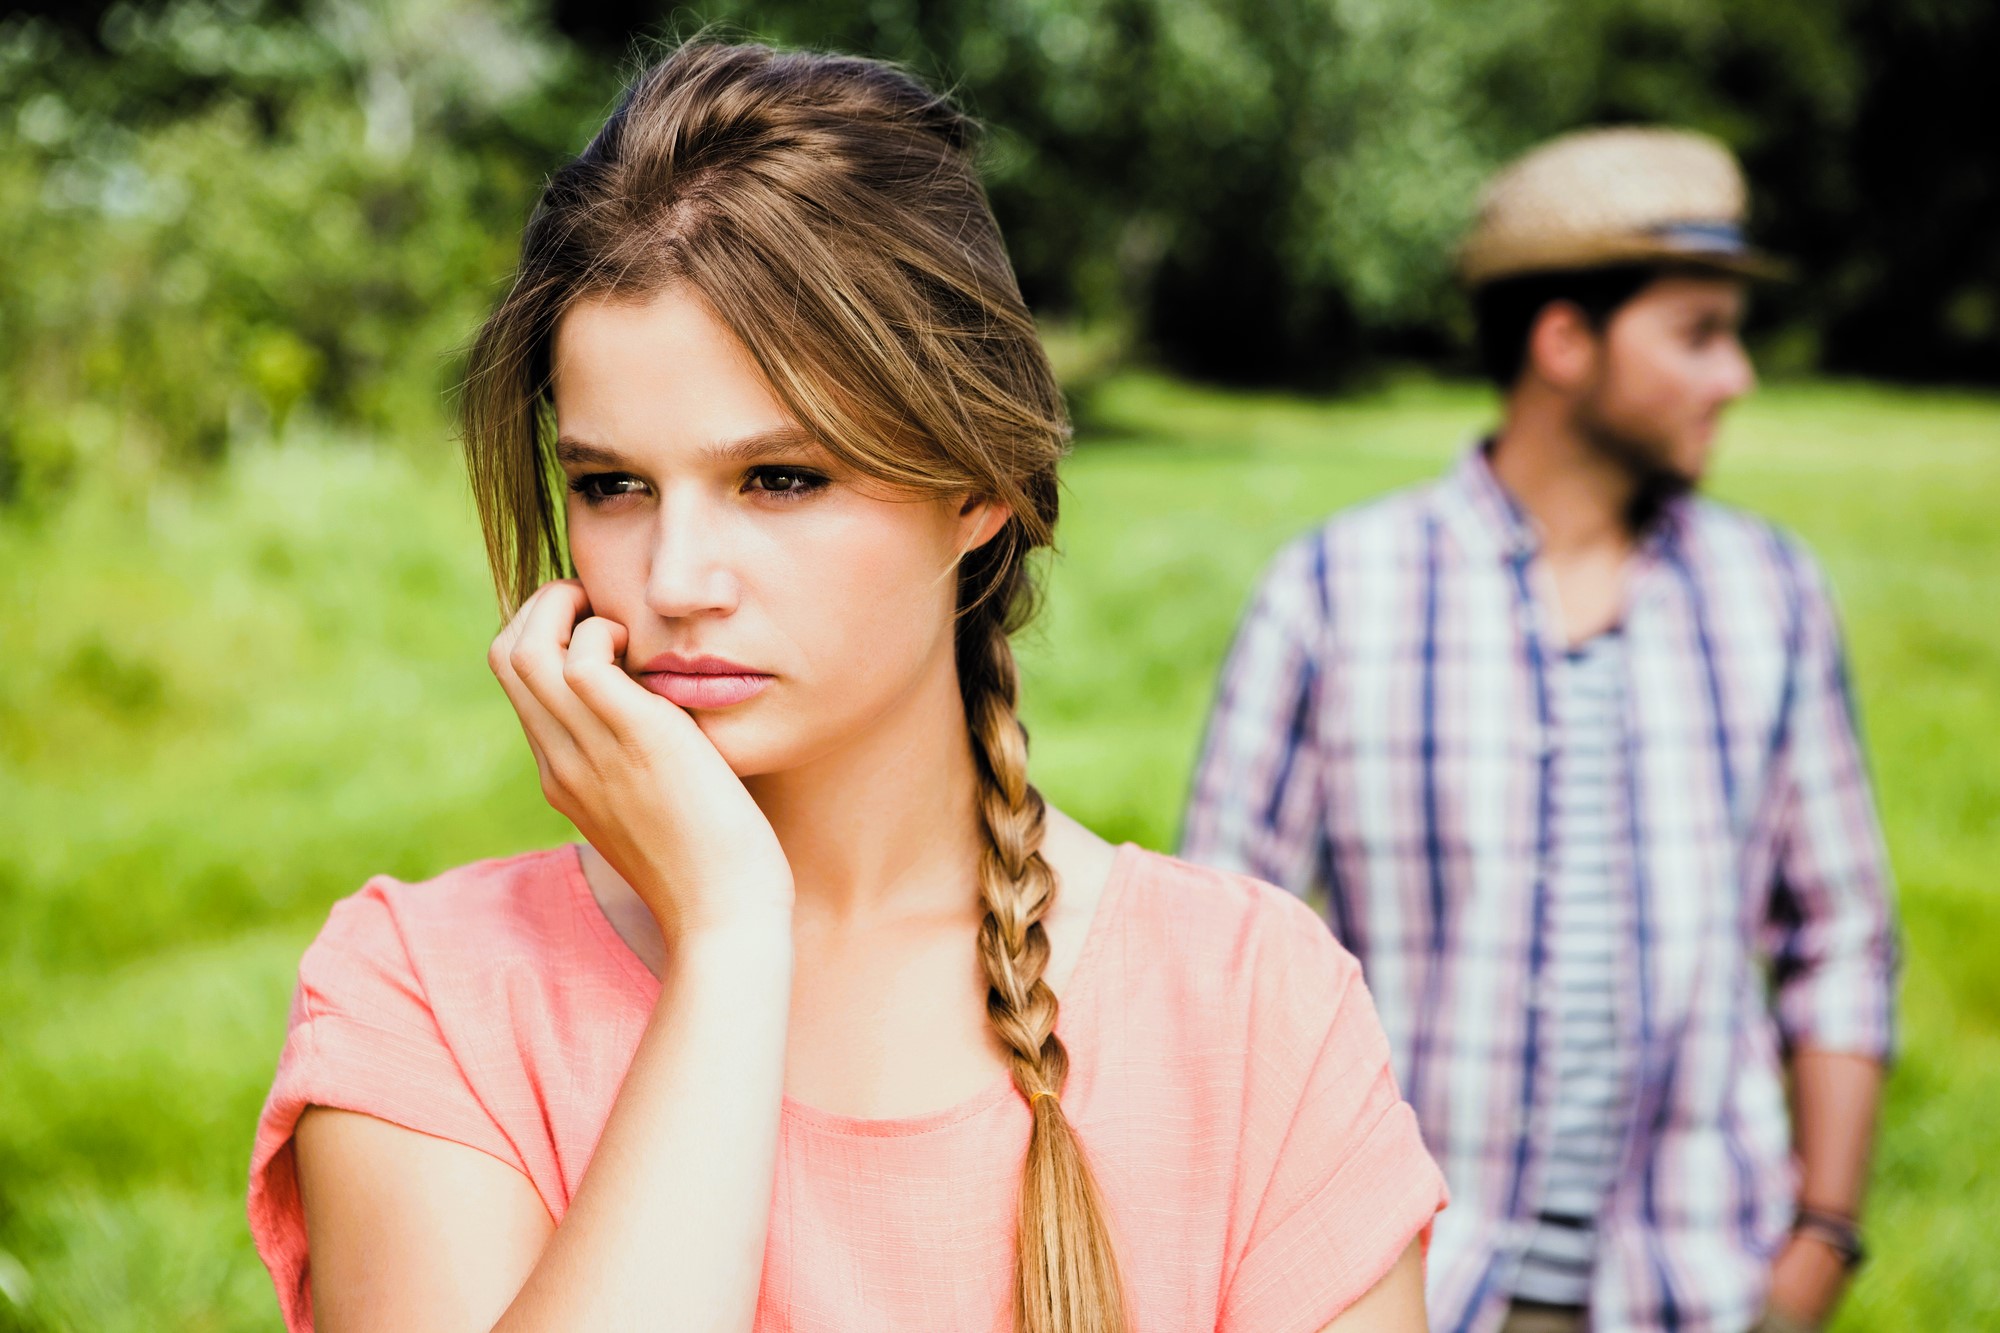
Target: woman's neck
{"points": [[886, 825], [886, 832]]}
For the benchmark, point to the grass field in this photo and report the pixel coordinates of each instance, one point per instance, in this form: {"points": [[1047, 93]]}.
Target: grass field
{"points": [[223, 704]]}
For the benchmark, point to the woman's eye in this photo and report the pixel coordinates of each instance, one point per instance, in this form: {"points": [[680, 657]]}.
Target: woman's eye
{"points": [[785, 481], [597, 487]]}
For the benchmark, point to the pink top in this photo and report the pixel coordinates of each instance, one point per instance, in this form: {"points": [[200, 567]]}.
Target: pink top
{"points": [[1228, 1078]]}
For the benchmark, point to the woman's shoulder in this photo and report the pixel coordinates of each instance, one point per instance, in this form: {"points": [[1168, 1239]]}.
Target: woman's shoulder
{"points": [[504, 895], [1214, 909], [1218, 933], [463, 921]]}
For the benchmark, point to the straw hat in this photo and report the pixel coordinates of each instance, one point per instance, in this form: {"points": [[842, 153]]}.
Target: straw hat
{"points": [[1598, 198]]}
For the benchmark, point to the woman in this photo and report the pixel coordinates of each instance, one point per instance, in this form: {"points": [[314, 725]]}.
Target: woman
{"points": [[689, 1075]]}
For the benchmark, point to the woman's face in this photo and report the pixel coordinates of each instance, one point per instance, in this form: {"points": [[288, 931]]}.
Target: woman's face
{"points": [[785, 602]]}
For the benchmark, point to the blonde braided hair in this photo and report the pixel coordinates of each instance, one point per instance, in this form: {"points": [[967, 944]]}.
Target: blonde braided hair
{"points": [[827, 209], [1067, 1266]]}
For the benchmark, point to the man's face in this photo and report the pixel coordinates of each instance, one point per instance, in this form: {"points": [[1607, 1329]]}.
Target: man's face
{"points": [[1668, 362]]}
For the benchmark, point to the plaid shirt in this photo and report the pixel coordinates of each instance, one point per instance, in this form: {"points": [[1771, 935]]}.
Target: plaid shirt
{"points": [[1382, 730]]}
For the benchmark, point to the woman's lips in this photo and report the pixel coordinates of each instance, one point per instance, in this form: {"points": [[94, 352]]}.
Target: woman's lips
{"points": [[701, 682]]}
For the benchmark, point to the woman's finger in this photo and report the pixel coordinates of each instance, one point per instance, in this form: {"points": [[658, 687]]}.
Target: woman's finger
{"points": [[598, 640], [560, 603], [538, 654], [634, 715], [545, 732], [510, 633], [556, 789], [547, 737], [595, 643]]}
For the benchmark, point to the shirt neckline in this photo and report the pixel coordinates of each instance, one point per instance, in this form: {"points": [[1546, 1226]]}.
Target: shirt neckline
{"points": [[646, 988], [1515, 534]]}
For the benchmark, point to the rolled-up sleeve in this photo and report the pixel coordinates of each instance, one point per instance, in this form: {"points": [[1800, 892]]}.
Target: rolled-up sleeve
{"points": [[1255, 807], [1832, 933]]}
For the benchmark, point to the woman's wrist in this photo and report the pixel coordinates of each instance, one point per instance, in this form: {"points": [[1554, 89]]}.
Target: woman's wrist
{"points": [[740, 969], [739, 914], [747, 939]]}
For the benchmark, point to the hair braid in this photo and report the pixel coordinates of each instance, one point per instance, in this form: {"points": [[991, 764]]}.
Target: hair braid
{"points": [[1066, 1275]]}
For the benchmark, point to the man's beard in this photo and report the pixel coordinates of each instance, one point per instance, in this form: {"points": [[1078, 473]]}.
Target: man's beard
{"points": [[1656, 482]]}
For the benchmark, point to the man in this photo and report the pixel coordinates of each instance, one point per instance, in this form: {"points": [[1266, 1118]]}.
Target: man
{"points": [[1571, 753]]}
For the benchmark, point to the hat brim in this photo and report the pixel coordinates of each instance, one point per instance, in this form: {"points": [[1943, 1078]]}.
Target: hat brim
{"points": [[1480, 269]]}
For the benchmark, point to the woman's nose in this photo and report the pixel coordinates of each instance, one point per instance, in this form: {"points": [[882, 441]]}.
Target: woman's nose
{"points": [[690, 573]]}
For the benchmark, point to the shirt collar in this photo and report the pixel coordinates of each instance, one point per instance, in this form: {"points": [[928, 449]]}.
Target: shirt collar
{"points": [[1480, 511], [1487, 517]]}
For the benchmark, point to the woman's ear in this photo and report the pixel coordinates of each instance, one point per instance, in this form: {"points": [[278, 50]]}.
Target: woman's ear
{"points": [[980, 518]]}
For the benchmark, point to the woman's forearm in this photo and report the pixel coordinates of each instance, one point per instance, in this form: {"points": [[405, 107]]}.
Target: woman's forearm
{"points": [[667, 1227]]}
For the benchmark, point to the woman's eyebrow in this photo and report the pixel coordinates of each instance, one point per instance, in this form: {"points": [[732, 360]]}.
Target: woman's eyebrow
{"points": [[762, 445], [742, 450], [575, 453]]}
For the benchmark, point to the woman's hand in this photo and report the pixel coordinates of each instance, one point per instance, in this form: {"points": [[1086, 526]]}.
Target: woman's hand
{"points": [[411, 1231], [635, 774]]}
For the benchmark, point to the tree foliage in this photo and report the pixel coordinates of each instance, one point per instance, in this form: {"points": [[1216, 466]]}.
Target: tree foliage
{"points": [[1272, 189], [215, 213]]}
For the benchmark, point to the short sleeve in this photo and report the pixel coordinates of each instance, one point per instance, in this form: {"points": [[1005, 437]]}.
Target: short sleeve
{"points": [[1336, 1180], [361, 1037]]}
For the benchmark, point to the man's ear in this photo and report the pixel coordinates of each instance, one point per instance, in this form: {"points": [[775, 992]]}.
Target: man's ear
{"points": [[980, 519], [1563, 347]]}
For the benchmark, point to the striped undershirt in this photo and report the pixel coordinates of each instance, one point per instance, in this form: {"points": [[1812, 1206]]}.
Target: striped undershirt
{"points": [[1586, 914]]}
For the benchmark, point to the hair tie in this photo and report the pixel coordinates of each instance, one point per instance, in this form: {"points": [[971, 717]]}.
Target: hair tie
{"points": [[1037, 1096]]}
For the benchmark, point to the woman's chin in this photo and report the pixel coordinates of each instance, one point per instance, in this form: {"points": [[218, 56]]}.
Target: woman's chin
{"points": [[751, 746], [784, 729]]}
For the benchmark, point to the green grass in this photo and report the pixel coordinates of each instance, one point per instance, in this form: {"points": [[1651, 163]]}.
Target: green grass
{"points": [[225, 703]]}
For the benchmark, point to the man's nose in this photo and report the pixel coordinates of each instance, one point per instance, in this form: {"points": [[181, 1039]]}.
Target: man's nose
{"points": [[1740, 375]]}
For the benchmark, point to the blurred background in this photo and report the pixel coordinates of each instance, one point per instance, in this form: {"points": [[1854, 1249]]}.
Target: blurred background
{"points": [[243, 608]]}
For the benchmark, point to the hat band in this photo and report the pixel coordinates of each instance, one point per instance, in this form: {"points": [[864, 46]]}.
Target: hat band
{"points": [[1709, 238]]}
